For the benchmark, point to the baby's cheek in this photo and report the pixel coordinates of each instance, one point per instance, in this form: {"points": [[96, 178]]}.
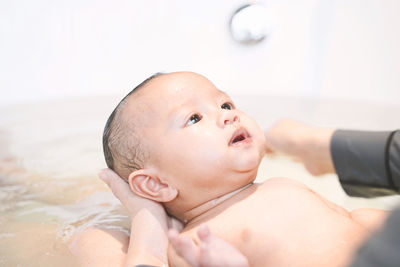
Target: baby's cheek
{"points": [[258, 137]]}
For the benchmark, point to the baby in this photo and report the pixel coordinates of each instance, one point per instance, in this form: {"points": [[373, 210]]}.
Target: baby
{"points": [[180, 141]]}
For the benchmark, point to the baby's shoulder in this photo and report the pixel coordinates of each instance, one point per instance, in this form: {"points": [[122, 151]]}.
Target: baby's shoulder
{"points": [[282, 183], [286, 190]]}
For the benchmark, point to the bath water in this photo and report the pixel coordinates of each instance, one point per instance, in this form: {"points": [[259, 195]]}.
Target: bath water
{"points": [[51, 153]]}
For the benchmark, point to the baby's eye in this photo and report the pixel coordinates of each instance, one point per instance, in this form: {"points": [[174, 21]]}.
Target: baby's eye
{"points": [[227, 105], [195, 118]]}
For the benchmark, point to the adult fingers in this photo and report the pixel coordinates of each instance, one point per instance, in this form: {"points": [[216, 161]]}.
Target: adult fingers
{"points": [[118, 186]]}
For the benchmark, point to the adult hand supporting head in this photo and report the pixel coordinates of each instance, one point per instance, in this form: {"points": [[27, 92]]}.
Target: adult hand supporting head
{"points": [[134, 203], [310, 145]]}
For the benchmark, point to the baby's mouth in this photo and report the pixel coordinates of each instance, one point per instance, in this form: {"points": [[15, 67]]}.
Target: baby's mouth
{"points": [[239, 136]]}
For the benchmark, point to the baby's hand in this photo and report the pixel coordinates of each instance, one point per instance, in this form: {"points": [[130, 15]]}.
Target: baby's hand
{"points": [[211, 252]]}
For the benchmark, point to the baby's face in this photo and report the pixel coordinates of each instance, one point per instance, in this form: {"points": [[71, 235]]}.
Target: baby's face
{"points": [[199, 141]]}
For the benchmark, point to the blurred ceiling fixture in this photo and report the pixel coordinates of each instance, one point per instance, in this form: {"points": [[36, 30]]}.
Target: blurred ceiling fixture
{"points": [[250, 24]]}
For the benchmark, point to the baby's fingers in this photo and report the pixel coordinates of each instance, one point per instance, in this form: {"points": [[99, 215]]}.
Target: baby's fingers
{"points": [[203, 232], [184, 247], [215, 252]]}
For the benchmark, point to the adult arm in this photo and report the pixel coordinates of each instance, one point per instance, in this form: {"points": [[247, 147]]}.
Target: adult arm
{"points": [[309, 145], [367, 163]]}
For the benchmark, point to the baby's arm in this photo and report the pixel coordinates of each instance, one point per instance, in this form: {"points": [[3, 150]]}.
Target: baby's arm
{"points": [[100, 247], [372, 219], [110, 247]]}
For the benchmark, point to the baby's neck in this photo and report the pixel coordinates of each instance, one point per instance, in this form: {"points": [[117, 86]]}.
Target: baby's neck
{"points": [[190, 215]]}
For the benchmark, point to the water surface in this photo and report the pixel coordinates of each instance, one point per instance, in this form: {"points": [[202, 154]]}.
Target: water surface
{"points": [[51, 153]]}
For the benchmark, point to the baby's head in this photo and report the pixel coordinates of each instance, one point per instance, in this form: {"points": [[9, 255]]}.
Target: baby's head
{"points": [[179, 140]]}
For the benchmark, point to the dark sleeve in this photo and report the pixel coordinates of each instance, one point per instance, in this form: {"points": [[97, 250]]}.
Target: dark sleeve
{"points": [[367, 163], [383, 247]]}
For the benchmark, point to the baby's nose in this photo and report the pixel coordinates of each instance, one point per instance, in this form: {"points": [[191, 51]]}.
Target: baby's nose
{"points": [[229, 117], [230, 121]]}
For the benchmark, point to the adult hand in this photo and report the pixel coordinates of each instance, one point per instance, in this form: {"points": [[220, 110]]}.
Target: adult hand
{"points": [[134, 203], [148, 243], [210, 252], [309, 145]]}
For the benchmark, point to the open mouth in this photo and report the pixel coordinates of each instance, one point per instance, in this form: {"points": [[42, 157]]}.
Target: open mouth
{"points": [[239, 136]]}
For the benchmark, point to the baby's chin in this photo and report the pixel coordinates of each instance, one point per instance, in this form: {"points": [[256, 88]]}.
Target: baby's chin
{"points": [[248, 163], [246, 175]]}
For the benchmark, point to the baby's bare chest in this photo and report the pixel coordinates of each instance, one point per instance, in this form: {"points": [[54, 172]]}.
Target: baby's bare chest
{"points": [[279, 226]]}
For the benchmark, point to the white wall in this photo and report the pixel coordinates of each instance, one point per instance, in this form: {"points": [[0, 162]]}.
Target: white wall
{"points": [[324, 48]]}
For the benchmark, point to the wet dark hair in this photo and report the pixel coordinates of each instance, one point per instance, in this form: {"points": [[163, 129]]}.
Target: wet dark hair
{"points": [[123, 151]]}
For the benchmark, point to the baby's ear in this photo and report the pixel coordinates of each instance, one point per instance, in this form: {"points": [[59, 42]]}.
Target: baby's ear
{"points": [[146, 183]]}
